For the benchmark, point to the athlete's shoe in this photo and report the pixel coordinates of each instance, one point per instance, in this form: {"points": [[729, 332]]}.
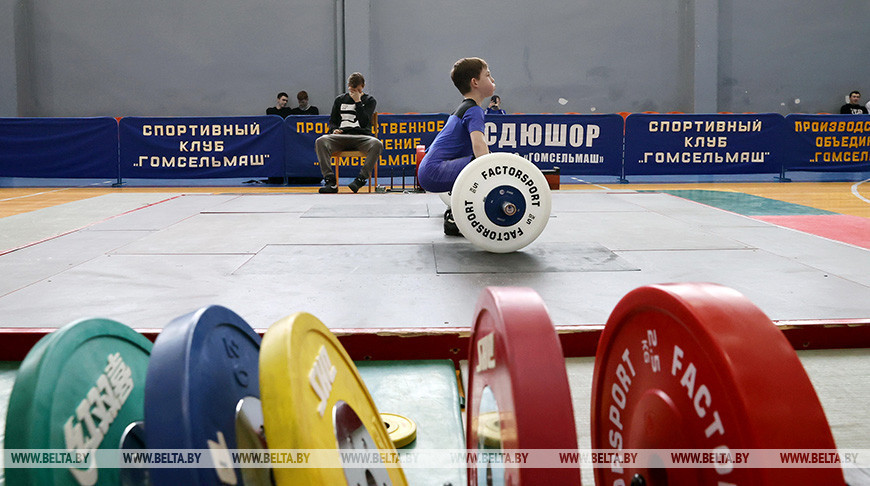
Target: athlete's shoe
{"points": [[450, 228]]}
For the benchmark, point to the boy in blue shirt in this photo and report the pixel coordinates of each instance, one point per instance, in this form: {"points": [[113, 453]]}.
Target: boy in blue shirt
{"points": [[462, 138]]}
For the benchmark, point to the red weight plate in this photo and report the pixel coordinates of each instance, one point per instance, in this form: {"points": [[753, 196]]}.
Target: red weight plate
{"points": [[698, 366], [516, 359]]}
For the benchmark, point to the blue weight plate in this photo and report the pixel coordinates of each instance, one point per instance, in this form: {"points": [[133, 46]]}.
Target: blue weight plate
{"points": [[202, 365], [505, 206]]}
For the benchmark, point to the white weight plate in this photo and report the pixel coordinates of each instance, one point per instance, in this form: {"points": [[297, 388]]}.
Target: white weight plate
{"points": [[501, 202]]}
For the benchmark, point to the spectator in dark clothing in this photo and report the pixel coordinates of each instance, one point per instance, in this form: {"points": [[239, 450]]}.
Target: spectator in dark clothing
{"points": [[280, 107], [853, 107], [304, 108]]}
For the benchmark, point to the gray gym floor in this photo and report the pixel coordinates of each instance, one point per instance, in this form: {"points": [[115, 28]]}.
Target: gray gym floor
{"points": [[382, 260]]}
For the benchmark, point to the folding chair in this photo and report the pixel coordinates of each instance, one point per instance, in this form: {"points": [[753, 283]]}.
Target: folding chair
{"points": [[336, 156]]}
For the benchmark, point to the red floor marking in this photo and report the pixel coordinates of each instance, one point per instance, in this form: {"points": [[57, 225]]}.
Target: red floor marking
{"points": [[854, 230], [49, 238]]}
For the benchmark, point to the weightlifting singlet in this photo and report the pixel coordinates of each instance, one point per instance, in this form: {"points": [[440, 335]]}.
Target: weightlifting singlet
{"points": [[451, 151]]}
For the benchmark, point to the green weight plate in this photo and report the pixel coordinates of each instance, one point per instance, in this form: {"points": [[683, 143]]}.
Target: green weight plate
{"points": [[77, 390]]}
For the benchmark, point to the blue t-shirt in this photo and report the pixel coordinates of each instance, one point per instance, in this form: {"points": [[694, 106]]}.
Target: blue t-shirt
{"points": [[454, 140]]}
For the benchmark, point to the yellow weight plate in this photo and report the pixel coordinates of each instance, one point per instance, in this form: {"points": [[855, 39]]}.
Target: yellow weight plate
{"points": [[314, 399], [401, 429]]}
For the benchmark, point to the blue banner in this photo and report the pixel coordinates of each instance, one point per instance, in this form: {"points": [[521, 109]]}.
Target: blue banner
{"points": [[59, 147], [198, 148], [300, 132], [828, 143], [704, 144], [267, 146], [400, 135], [577, 144]]}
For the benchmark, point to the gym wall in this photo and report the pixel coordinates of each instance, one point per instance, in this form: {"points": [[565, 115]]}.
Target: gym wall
{"points": [[220, 58]]}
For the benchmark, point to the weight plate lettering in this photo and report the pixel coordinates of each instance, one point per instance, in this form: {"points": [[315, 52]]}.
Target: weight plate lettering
{"points": [[698, 366], [202, 365], [517, 379], [501, 202], [314, 398], [78, 389]]}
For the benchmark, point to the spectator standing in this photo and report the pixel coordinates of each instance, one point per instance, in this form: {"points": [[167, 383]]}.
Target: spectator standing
{"points": [[494, 107]]}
